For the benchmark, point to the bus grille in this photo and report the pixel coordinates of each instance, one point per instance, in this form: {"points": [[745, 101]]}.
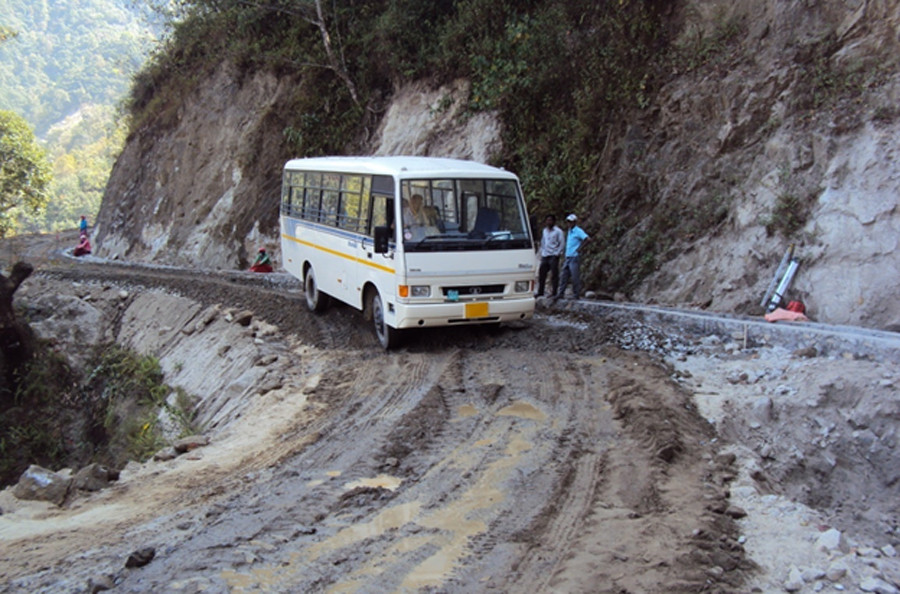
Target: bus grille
{"points": [[475, 290]]}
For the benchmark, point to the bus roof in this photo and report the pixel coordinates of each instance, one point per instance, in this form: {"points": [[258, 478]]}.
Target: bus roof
{"points": [[410, 167]]}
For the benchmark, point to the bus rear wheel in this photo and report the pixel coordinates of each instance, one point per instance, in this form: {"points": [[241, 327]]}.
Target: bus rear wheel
{"points": [[387, 337], [315, 300]]}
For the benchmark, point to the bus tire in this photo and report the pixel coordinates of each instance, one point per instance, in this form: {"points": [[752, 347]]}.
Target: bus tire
{"points": [[387, 337], [316, 300]]}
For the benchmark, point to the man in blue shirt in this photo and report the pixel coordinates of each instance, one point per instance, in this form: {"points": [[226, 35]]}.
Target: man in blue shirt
{"points": [[575, 238]]}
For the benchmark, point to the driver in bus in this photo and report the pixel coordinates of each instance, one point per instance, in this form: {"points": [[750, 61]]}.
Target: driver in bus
{"points": [[418, 220]]}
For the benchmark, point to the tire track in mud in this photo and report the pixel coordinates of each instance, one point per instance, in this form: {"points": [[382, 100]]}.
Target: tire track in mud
{"points": [[650, 513], [305, 490], [466, 516], [571, 492], [466, 462], [460, 500]]}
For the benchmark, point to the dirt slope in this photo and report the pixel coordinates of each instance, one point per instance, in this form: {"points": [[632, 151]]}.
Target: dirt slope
{"points": [[540, 458], [565, 455]]}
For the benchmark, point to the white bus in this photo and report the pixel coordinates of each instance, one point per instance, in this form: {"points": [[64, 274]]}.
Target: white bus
{"points": [[411, 241]]}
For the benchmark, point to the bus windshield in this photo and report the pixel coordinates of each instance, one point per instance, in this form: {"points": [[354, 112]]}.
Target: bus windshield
{"points": [[462, 214]]}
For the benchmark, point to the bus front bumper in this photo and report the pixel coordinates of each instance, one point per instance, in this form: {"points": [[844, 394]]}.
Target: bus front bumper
{"points": [[408, 315]]}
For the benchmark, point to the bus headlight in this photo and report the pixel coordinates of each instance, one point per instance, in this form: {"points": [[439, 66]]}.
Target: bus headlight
{"points": [[523, 286], [421, 291]]}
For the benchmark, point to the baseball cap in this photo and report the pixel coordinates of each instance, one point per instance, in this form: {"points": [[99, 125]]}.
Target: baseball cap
{"points": [[571, 217]]}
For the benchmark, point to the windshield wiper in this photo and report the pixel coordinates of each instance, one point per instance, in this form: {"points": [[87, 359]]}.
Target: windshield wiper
{"points": [[426, 238], [506, 236]]}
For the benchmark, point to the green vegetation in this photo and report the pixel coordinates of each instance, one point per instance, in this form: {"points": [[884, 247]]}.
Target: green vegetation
{"points": [[81, 154], [24, 172], [789, 215], [54, 417], [561, 74], [132, 395], [557, 71], [65, 65], [32, 422], [67, 54], [696, 49]]}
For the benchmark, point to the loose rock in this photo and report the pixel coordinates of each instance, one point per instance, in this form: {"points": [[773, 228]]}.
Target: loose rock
{"points": [[878, 586], [191, 442], [100, 583], [243, 318], [41, 484], [140, 557], [92, 478], [806, 352], [836, 571], [832, 540], [794, 582]]}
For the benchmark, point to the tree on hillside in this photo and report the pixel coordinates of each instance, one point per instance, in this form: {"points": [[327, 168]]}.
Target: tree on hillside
{"points": [[312, 13], [24, 171]]}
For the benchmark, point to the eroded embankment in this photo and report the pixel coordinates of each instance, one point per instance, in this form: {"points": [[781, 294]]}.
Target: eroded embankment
{"points": [[537, 458]]}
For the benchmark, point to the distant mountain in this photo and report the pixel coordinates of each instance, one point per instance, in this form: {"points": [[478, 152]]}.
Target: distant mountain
{"points": [[65, 69], [70, 53]]}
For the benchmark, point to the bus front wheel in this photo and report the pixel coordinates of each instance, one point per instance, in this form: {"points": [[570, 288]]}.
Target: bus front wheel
{"points": [[388, 337], [315, 300]]}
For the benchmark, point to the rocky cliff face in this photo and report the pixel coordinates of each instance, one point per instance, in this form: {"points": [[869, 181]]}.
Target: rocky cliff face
{"points": [[202, 191], [206, 191], [789, 146], [785, 138]]}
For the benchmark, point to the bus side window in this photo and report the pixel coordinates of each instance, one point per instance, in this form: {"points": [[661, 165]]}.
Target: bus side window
{"points": [[290, 202], [311, 204], [329, 207], [349, 216], [382, 213]]}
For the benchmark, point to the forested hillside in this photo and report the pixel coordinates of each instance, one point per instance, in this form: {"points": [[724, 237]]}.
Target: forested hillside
{"points": [[67, 54], [65, 69]]}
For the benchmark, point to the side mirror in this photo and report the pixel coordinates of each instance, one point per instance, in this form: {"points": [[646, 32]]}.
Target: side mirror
{"points": [[382, 238]]}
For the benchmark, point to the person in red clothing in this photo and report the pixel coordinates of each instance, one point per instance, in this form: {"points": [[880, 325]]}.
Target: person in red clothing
{"points": [[83, 247], [263, 263]]}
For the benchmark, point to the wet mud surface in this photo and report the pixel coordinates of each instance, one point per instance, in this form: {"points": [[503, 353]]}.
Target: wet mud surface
{"points": [[535, 458]]}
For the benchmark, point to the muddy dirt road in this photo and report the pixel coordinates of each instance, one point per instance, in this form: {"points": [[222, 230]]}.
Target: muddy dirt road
{"points": [[539, 458]]}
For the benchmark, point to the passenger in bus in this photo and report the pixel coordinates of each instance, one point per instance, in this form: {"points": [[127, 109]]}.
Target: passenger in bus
{"points": [[415, 211], [433, 216]]}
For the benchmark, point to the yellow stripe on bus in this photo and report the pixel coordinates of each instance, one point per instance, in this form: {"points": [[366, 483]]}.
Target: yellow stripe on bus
{"points": [[339, 254]]}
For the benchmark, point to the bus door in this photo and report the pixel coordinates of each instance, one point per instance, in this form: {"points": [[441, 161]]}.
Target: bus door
{"points": [[336, 213], [378, 268]]}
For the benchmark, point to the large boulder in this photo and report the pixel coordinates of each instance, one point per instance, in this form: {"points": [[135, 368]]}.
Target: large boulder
{"points": [[94, 477], [41, 484]]}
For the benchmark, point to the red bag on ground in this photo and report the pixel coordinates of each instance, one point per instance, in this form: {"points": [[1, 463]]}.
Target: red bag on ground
{"points": [[796, 306]]}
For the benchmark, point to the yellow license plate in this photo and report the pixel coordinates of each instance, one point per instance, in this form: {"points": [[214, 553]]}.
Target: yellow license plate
{"points": [[476, 310]]}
